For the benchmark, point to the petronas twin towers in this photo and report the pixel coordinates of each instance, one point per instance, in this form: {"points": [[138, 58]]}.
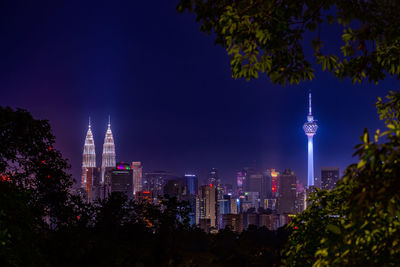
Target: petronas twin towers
{"points": [[89, 159]]}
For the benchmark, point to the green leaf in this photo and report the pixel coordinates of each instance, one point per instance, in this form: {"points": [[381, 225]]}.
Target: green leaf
{"points": [[361, 163], [391, 126], [333, 228]]}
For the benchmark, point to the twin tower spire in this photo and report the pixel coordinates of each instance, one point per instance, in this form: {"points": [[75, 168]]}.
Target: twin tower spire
{"points": [[89, 155]]}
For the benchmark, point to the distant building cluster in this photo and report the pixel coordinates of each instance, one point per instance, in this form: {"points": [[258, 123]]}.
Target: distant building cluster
{"points": [[267, 198]]}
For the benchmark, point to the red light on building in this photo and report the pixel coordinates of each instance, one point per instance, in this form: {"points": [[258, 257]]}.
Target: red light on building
{"points": [[274, 175]]}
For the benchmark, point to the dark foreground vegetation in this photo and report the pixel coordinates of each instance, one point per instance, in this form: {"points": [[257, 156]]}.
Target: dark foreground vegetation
{"points": [[43, 224]]}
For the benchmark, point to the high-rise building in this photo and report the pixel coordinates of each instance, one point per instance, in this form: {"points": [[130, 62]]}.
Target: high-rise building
{"points": [[192, 200], [88, 162], [301, 201], [174, 188], [251, 200], [274, 182], [329, 177], [250, 218], [287, 193], [95, 193], [208, 204], [192, 183], [108, 157], [137, 170], [225, 205], [233, 221], [240, 180], [310, 128], [234, 209], [215, 180], [213, 177], [155, 181], [121, 179], [266, 185], [253, 181], [269, 203], [226, 189], [266, 220]]}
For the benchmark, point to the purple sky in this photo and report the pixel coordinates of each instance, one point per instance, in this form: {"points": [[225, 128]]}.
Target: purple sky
{"points": [[169, 91]]}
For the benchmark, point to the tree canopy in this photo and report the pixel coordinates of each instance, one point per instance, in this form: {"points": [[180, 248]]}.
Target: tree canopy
{"points": [[268, 37]]}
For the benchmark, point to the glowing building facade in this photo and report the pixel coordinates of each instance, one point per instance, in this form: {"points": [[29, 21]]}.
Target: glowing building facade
{"points": [[310, 128], [137, 176], [287, 193], [240, 179], [88, 162], [121, 179], [208, 204], [108, 158]]}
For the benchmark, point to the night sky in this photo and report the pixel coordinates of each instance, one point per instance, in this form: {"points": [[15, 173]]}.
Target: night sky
{"points": [[169, 91]]}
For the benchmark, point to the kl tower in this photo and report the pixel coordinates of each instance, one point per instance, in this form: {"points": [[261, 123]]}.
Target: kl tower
{"points": [[310, 128]]}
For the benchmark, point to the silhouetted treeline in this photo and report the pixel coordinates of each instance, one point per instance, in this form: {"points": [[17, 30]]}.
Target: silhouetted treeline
{"points": [[116, 232]]}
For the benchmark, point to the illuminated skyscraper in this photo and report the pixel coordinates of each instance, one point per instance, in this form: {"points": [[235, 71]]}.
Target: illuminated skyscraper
{"points": [[108, 158], [208, 204], [310, 128], [137, 176], [287, 192], [213, 177], [121, 179], [274, 181], [192, 183], [240, 179], [88, 161]]}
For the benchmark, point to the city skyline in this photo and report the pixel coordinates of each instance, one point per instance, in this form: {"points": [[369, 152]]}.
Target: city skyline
{"points": [[174, 104]]}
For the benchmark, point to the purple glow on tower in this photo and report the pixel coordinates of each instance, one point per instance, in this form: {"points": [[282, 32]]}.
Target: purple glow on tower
{"points": [[310, 128]]}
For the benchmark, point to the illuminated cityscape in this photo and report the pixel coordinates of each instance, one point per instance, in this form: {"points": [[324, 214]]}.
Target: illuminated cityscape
{"points": [[258, 197], [172, 133]]}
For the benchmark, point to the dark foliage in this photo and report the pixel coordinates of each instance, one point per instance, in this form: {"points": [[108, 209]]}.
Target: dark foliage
{"points": [[269, 36]]}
